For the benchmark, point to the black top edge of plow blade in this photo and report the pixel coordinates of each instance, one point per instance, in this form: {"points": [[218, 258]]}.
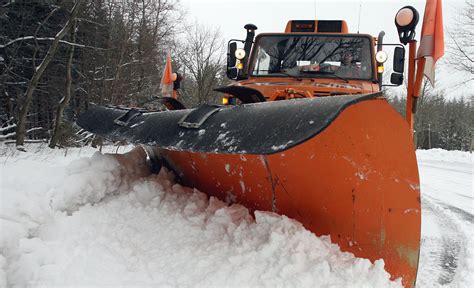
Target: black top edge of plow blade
{"points": [[257, 128]]}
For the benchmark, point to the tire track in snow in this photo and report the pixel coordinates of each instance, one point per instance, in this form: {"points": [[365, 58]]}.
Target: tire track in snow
{"points": [[440, 254]]}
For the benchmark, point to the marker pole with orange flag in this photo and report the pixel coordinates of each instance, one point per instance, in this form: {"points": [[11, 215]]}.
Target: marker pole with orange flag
{"points": [[411, 82], [430, 50], [432, 42], [166, 84]]}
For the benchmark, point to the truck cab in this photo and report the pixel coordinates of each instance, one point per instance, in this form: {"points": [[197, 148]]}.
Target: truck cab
{"points": [[310, 59]]}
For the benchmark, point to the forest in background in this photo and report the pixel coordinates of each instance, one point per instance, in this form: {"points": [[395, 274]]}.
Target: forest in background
{"points": [[113, 53]]}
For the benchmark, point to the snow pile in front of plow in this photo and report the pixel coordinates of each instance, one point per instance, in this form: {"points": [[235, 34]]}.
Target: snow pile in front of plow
{"points": [[81, 224]]}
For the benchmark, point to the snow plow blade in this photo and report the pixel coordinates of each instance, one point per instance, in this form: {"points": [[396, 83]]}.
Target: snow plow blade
{"points": [[343, 166]]}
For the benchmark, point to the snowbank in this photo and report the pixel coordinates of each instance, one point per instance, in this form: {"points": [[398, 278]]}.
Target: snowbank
{"points": [[81, 224], [445, 156]]}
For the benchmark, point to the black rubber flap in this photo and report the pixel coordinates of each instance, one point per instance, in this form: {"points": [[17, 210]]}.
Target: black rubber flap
{"points": [[259, 128], [196, 117], [244, 94], [171, 103]]}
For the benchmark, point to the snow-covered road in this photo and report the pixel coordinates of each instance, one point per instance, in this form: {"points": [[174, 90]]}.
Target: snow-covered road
{"points": [[447, 247], [67, 220]]}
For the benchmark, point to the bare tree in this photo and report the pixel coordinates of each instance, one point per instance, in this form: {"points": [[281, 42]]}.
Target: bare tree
{"points": [[460, 43], [38, 72], [118, 61], [65, 100], [138, 34], [202, 55]]}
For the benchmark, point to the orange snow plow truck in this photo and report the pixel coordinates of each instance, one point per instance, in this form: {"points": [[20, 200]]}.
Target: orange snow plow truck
{"points": [[304, 131]]}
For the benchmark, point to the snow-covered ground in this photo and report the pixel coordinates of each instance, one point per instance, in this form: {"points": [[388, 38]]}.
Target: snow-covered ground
{"points": [[67, 217], [447, 247]]}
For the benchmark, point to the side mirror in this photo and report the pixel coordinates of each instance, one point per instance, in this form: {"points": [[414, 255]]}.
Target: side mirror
{"points": [[238, 70], [399, 60], [231, 54], [232, 73], [231, 60], [396, 79]]}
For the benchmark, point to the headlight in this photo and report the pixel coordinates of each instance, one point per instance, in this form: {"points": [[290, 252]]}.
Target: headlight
{"points": [[381, 56], [240, 53]]}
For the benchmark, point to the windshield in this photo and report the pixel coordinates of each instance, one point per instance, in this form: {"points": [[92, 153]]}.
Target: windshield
{"points": [[327, 56]]}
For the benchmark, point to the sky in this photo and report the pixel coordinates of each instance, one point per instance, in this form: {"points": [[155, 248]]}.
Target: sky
{"points": [[229, 16]]}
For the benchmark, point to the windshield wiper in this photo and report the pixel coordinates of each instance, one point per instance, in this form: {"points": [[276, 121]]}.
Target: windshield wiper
{"points": [[326, 73], [287, 74]]}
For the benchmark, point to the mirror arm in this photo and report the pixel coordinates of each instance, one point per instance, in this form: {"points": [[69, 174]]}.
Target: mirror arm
{"points": [[247, 47], [379, 48]]}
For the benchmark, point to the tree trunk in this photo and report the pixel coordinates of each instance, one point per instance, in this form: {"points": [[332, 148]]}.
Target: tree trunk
{"points": [[65, 100], [21, 128]]}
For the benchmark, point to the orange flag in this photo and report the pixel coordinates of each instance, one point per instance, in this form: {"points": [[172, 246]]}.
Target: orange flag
{"points": [[167, 79], [432, 37]]}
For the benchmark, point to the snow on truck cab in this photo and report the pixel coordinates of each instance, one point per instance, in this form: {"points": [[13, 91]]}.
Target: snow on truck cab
{"points": [[316, 58]]}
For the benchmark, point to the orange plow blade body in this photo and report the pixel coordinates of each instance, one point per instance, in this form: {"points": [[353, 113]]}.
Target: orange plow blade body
{"points": [[354, 178]]}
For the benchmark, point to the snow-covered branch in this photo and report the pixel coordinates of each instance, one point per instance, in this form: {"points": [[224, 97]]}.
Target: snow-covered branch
{"points": [[26, 38], [6, 136], [13, 134], [34, 129], [8, 127]]}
